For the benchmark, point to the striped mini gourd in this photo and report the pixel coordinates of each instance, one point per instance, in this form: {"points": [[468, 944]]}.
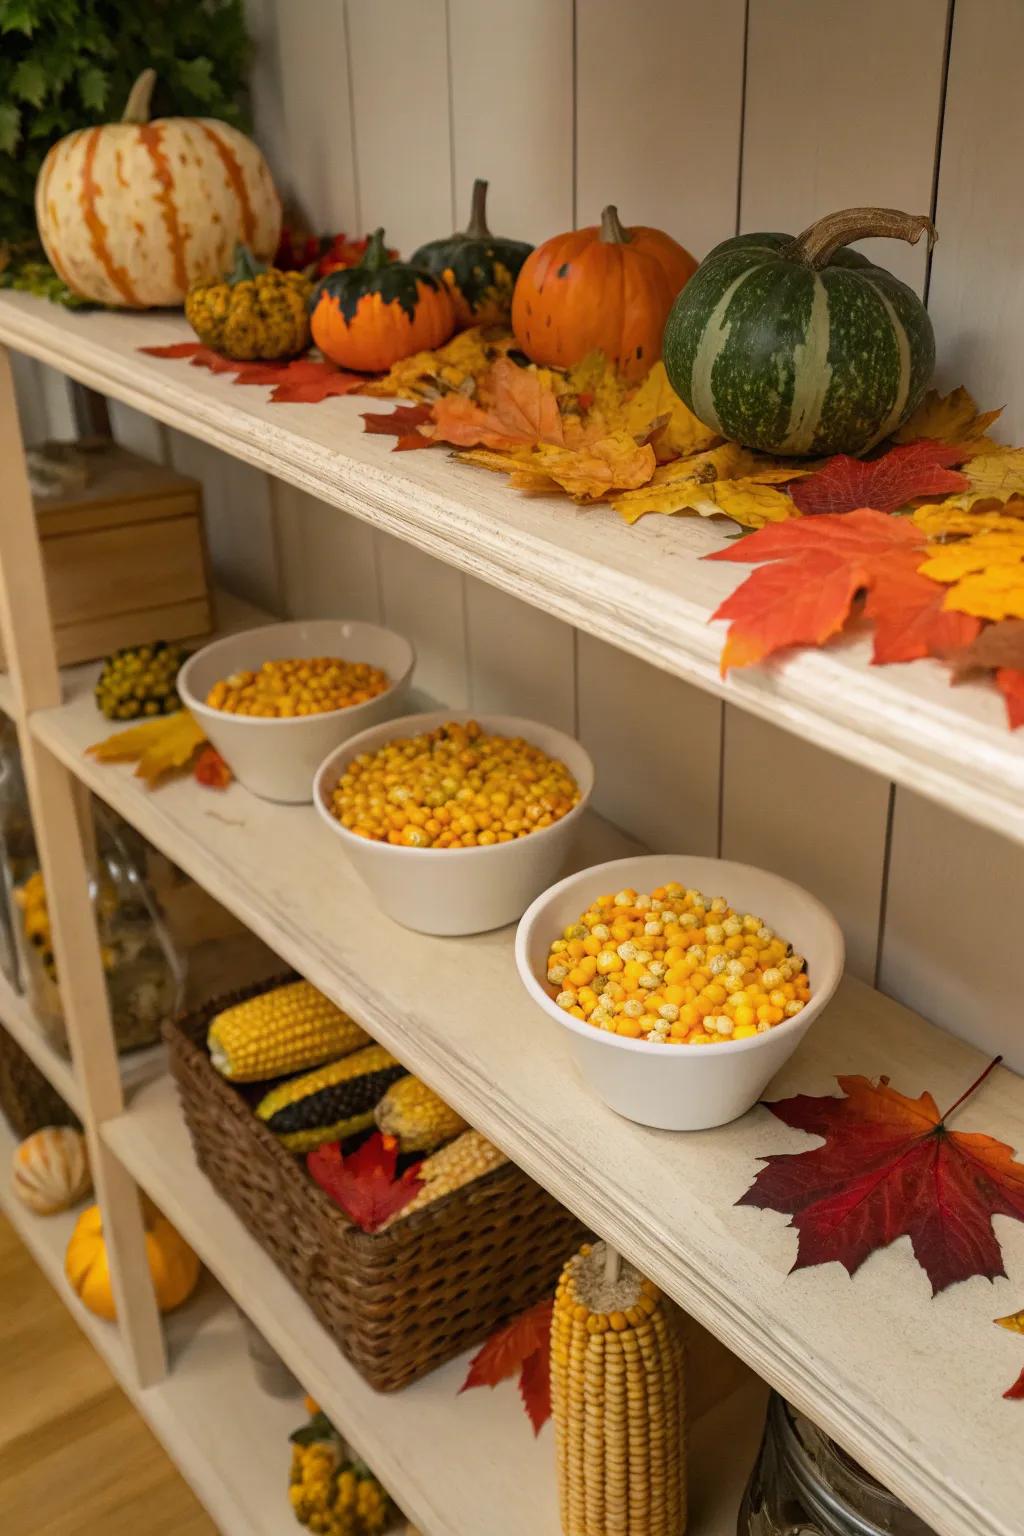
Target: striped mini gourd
{"points": [[617, 1400]]}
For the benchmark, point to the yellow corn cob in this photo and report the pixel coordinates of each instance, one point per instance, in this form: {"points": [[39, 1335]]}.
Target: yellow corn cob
{"points": [[416, 1116], [466, 1158], [287, 1029], [617, 1401]]}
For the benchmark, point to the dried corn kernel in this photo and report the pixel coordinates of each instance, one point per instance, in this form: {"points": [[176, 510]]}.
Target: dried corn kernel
{"points": [[282, 690], [671, 980]]}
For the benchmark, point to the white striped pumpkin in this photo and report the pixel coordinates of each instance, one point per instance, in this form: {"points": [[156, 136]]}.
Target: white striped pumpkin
{"points": [[50, 1170], [132, 213], [802, 346]]}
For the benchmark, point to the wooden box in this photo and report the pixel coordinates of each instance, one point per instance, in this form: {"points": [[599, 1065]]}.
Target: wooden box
{"points": [[125, 557]]}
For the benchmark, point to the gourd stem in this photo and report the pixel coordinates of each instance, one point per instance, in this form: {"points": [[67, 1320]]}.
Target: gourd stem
{"points": [[613, 232], [477, 229], [246, 266], [136, 108], [819, 243], [376, 255]]}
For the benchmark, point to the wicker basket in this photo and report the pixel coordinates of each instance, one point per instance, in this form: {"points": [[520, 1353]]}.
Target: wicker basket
{"points": [[27, 1099], [400, 1302]]}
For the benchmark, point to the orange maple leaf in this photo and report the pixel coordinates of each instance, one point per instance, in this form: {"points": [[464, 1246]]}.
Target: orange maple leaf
{"points": [[811, 570], [524, 412]]}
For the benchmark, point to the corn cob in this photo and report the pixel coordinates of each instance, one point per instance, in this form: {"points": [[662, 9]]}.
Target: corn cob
{"points": [[416, 1116], [333, 1102], [466, 1158], [617, 1401], [288, 1029]]}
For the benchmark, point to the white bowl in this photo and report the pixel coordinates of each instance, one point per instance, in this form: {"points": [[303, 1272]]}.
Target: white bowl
{"points": [[276, 759], [459, 890], [683, 1087]]}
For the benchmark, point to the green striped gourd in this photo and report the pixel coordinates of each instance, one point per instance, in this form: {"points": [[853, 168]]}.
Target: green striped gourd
{"points": [[803, 346]]}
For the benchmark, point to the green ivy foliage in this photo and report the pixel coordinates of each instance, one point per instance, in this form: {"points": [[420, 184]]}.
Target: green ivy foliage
{"points": [[66, 64]]}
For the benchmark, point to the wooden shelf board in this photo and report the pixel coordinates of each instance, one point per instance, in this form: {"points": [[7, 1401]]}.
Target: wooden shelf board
{"points": [[226, 1435], [644, 589], [878, 1363], [455, 1463]]}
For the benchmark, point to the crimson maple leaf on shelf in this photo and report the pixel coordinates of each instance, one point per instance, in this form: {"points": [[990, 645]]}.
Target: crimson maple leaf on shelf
{"points": [[885, 483], [810, 573], [301, 381], [402, 423], [364, 1183], [523, 1345], [889, 1168]]}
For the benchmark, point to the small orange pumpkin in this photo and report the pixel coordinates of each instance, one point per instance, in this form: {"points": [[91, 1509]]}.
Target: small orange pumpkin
{"points": [[604, 288], [172, 1264], [371, 316]]}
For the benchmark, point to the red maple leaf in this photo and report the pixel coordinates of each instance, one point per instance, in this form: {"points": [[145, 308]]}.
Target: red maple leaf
{"points": [[211, 770], [811, 570], [894, 480], [889, 1168], [364, 1183], [403, 423], [1010, 682], [179, 349], [1016, 1392], [523, 1345], [305, 382]]}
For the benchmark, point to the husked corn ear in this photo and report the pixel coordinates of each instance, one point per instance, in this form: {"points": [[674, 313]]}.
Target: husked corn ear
{"points": [[333, 1102], [466, 1158], [617, 1402], [284, 1030], [416, 1116]]}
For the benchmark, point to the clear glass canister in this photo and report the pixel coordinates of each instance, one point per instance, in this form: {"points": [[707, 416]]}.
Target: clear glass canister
{"points": [[804, 1485]]}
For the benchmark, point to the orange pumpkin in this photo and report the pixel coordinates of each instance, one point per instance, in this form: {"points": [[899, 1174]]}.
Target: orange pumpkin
{"points": [[133, 213], [172, 1264], [371, 316], [604, 288]]}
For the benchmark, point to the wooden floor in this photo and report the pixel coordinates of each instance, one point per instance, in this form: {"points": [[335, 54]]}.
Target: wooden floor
{"points": [[75, 1458]]}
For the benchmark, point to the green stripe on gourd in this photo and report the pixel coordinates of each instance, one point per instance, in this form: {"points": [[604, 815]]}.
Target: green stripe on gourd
{"points": [[802, 346]]}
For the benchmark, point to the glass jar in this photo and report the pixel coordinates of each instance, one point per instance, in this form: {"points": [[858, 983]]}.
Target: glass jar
{"points": [[804, 1485]]}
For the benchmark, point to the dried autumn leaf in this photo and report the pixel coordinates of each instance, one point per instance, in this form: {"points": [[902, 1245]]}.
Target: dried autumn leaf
{"points": [[942, 519], [158, 747], [910, 617], [748, 502], [678, 432], [886, 483], [984, 573], [673, 487], [402, 423], [1010, 682], [364, 1183], [998, 645], [995, 476], [454, 367], [503, 463], [524, 412], [1015, 1322], [178, 349], [952, 418], [523, 1345], [306, 382], [815, 568], [211, 770], [613, 463], [889, 1168], [1016, 1392]]}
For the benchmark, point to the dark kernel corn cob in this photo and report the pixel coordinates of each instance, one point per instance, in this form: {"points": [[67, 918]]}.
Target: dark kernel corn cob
{"points": [[333, 1102]]}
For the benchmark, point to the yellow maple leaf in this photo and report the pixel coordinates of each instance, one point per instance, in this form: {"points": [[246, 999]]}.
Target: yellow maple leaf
{"points": [[613, 463], [940, 519], [1015, 1322], [981, 552], [488, 458], [984, 573], [157, 747], [685, 486], [748, 502], [995, 593], [952, 418], [679, 432]]}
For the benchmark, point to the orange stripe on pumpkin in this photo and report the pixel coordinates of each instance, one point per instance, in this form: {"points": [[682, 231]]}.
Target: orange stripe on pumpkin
{"points": [[151, 135], [236, 176], [98, 230]]}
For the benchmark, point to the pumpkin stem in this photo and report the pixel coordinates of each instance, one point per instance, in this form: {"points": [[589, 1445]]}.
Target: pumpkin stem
{"points": [[613, 231], [819, 243], [136, 108], [376, 255], [477, 229], [246, 266]]}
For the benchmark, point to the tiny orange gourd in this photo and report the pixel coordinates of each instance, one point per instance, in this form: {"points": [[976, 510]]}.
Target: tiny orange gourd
{"points": [[371, 316], [172, 1264], [601, 289]]}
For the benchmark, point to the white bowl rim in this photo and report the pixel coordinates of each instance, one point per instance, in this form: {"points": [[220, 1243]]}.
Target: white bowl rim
{"points": [[351, 747], [198, 706], [624, 1042]]}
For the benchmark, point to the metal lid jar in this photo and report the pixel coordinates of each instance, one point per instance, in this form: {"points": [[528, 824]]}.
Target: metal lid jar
{"points": [[804, 1485]]}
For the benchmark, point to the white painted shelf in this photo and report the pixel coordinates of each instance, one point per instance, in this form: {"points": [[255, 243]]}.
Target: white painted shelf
{"points": [[455, 1463], [226, 1435], [874, 1360], [644, 589]]}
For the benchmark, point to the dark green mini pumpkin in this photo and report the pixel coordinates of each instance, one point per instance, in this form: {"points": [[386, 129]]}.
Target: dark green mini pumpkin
{"points": [[479, 269], [803, 346], [369, 317]]}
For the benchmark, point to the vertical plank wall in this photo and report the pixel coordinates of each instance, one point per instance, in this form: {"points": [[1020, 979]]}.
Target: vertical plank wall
{"points": [[702, 119]]}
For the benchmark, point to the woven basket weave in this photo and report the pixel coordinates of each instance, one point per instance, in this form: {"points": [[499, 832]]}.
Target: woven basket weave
{"points": [[27, 1099], [400, 1302]]}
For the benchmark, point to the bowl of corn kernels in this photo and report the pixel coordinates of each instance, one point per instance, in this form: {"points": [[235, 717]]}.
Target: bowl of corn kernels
{"points": [[456, 822], [275, 700], [684, 984]]}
